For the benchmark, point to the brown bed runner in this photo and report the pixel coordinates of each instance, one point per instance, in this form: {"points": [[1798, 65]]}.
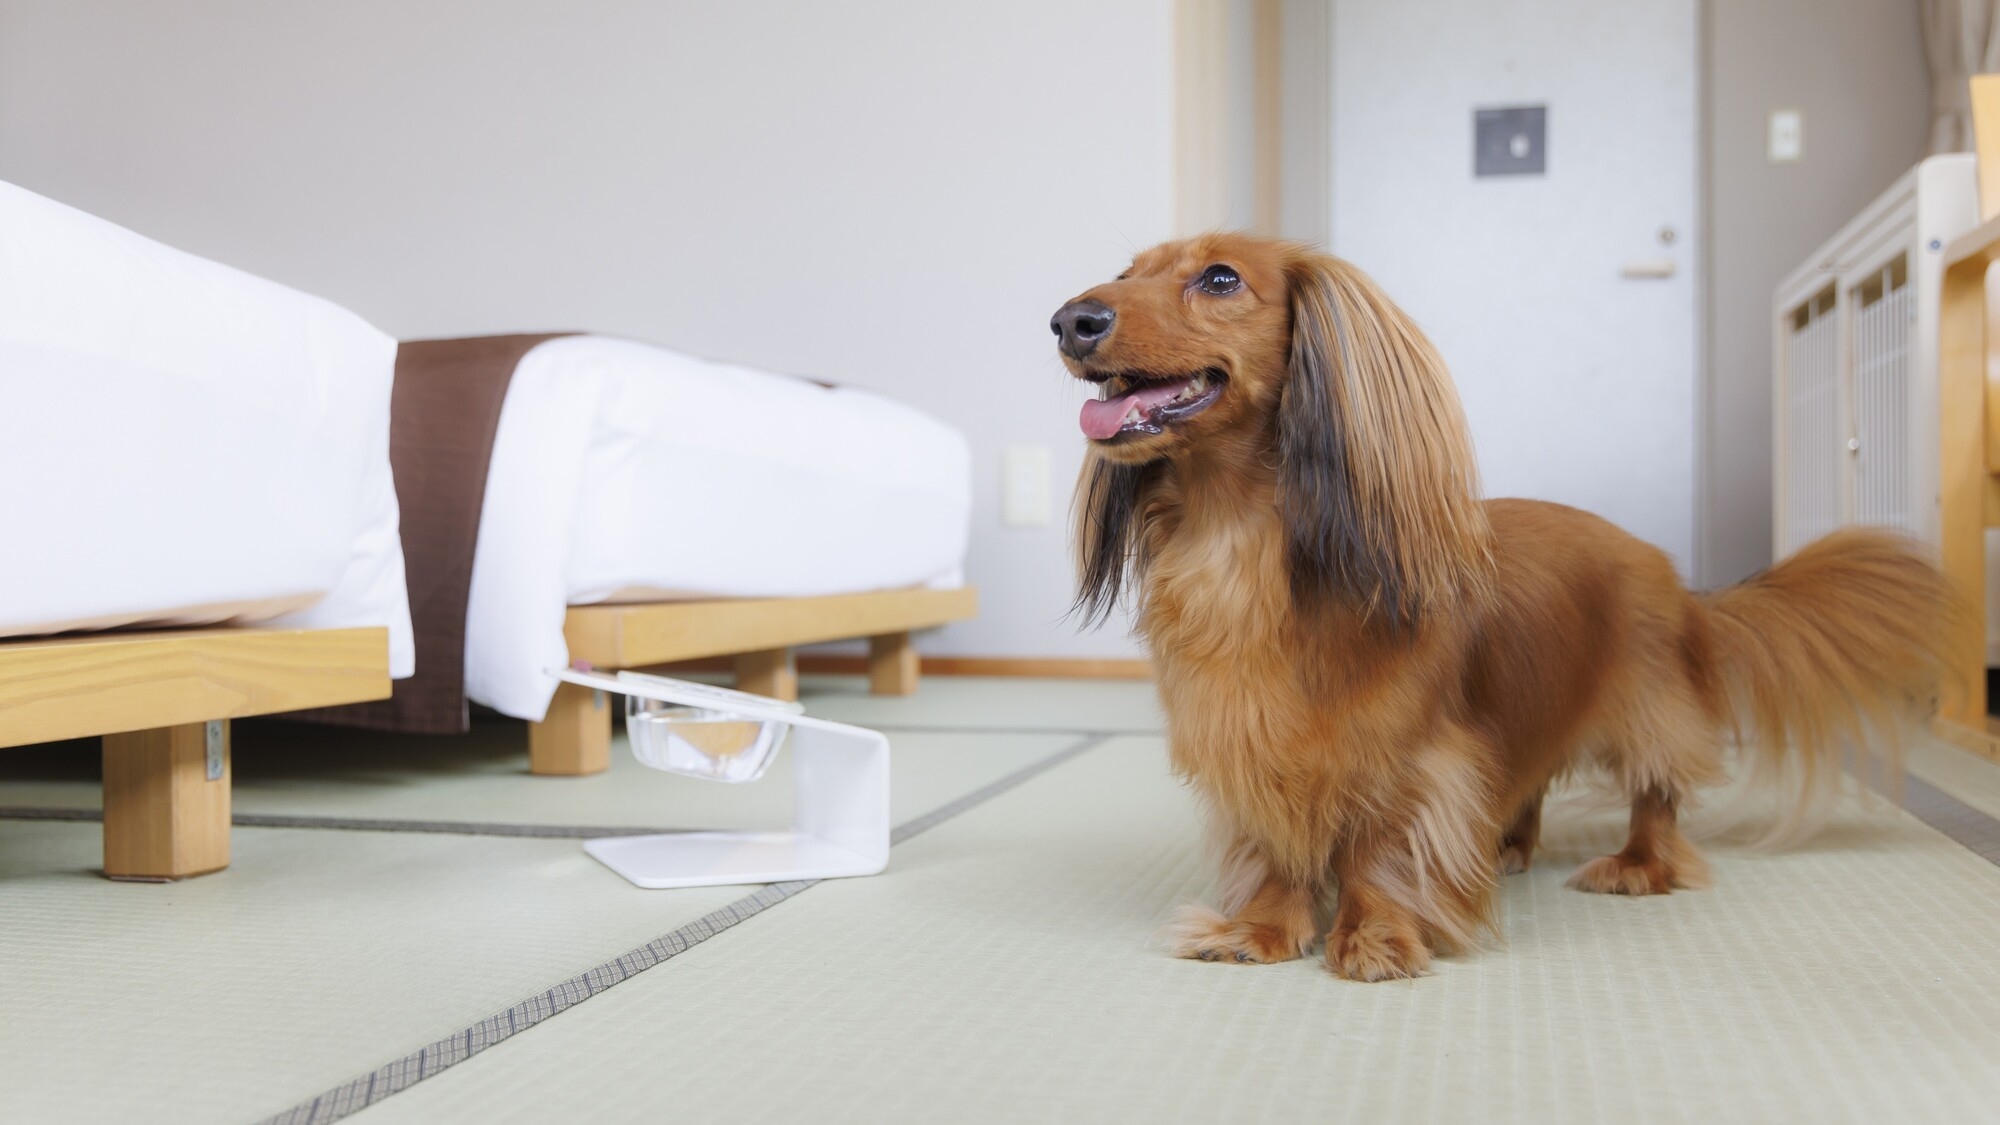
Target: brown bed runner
{"points": [[443, 415]]}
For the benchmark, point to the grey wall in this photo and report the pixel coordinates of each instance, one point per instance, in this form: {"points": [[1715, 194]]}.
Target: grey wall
{"points": [[1305, 189], [889, 193], [1855, 70]]}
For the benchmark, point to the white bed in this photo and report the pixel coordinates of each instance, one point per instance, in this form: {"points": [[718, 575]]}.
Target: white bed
{"points": [[627, 472], [182, 443]]}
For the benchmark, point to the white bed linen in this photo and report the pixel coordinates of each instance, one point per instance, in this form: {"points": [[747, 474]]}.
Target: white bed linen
{"points": [[620, 466], [183, 443]]}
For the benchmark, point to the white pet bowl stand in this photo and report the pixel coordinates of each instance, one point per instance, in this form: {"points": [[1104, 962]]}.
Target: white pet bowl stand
{"points": [[840, 804]]}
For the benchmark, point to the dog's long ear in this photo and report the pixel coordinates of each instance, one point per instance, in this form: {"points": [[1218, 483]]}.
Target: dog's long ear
{"points": [[1377, 482], [1109, 497]]}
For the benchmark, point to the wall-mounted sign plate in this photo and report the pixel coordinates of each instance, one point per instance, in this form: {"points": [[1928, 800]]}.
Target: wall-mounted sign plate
{"points": [[1510, 141]]}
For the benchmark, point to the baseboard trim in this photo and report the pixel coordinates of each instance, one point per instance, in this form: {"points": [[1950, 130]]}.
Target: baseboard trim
{"points": [[1984, 741], [1054, 668], [1048, 668]]}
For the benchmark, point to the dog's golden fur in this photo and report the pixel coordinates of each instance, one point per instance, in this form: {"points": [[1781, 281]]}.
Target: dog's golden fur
{"points": [[1371, 677]]}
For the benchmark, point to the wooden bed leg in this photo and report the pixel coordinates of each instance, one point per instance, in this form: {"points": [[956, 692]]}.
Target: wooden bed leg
{"points": [[771, 672], [892, 664], [574, 737], [166, 802]]}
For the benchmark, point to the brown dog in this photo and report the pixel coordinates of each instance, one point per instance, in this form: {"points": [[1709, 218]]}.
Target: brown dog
{"points": [[1371, 676]]}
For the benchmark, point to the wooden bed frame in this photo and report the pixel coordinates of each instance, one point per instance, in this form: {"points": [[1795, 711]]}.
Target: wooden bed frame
{"points": [[575, 737], [162, 702]]}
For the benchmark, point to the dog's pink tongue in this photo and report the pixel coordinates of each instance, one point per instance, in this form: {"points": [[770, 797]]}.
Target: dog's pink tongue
{"points": [[1103, 418]]}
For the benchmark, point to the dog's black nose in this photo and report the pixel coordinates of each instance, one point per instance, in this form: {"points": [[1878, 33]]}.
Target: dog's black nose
{"points": [[1080, 325]]}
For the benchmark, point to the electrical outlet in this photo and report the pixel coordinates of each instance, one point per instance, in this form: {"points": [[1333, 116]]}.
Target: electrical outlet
{"points": [[1024, 486], [1787, 139]]}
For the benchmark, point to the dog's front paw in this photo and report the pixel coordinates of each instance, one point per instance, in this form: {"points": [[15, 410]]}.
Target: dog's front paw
{"points": [[1204, 935], [1372, 952]]}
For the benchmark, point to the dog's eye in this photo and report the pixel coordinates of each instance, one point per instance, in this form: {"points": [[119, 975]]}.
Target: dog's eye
{"points": [[1220, 280]]}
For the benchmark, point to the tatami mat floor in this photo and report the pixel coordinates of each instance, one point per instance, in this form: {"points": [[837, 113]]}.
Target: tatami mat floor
{"points": [[1006, 967]]}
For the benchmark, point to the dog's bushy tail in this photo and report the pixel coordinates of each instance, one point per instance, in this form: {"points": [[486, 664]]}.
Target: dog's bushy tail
{"points": [[1836, 648]]}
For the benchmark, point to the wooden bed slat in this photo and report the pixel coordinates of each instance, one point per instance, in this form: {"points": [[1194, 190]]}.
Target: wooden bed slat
{"points": [[633, 636], [109, 683]]}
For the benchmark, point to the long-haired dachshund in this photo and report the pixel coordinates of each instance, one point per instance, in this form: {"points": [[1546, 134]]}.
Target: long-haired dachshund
{"points": [[1371, 676]]}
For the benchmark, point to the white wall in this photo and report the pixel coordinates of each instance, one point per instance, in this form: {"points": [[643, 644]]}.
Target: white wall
{"points": [[1579, 385], [888, 194], [1855, 69]]}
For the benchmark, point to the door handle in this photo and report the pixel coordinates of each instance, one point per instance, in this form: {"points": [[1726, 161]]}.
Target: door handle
{"points": [[1649, 269]]}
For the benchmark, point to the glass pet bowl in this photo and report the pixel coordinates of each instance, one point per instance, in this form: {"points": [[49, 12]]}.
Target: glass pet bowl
{"points": [[709, 742]]}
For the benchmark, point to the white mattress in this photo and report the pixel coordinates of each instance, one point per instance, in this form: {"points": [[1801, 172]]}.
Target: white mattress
{"points": [[184, 443], [621, 469]]}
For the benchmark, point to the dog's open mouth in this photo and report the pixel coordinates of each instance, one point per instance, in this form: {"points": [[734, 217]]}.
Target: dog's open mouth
{"points": [[1145, 404]]}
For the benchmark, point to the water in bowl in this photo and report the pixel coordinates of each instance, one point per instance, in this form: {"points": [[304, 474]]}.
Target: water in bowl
{"points": [[701, 742]]}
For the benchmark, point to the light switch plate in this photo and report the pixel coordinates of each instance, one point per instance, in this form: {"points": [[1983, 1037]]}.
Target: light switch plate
{"points": [[1024, 486], [1787, 140]]}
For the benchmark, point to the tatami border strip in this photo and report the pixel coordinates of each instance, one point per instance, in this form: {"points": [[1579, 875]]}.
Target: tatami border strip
{"points": [[455, 1048], [376, 824], [1972, 828]]}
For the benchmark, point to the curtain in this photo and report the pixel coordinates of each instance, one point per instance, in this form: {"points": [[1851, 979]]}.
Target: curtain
{"points": [[1961, 39]]}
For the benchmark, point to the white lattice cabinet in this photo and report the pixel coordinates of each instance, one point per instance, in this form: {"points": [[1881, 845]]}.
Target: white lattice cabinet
{"points": [[1855, 366], [1854, 372]]}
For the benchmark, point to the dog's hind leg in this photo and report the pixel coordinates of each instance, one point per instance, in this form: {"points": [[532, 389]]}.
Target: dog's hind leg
{"points": [[1264, 918], [1517, 847], [1656, 859], [1664, 749]]}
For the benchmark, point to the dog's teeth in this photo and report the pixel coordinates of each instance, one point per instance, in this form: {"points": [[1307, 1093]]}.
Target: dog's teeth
{"points": [[1132, 417], [1200, 383]]}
